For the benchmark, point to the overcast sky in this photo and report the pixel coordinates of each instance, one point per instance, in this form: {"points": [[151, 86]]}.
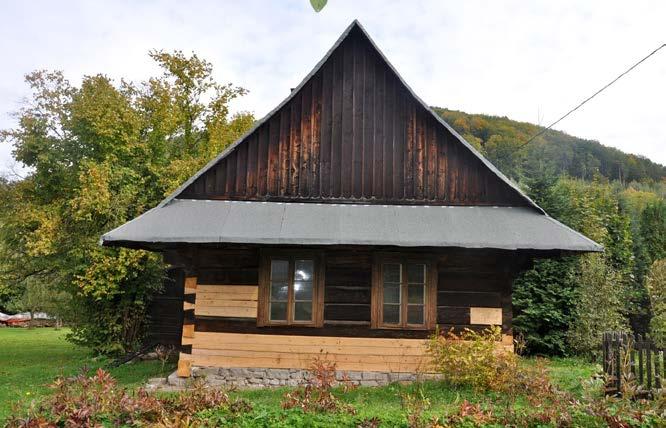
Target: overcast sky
{"points": [[530, 61]]}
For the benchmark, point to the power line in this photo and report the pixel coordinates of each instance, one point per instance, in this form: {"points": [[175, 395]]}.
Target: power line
{"points": [[543, 130]]}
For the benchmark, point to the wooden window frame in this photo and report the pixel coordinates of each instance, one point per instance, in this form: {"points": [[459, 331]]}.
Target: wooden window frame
{"points": [[377, 296], [263, 307]]}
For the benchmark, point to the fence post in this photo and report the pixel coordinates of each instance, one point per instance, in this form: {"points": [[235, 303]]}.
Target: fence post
{"points": [[604, 351]]}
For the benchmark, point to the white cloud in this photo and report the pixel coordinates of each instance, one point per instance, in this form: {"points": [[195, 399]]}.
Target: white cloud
{"points": [[530, 61]]}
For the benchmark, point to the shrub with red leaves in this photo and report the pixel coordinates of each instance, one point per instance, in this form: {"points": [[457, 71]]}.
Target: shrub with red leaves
{"points": [[92, 401], [316, 395]]}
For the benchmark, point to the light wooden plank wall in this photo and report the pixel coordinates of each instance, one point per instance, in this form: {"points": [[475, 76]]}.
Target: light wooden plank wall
{"points": [[485, 316], [298, 352], [235, 301]]}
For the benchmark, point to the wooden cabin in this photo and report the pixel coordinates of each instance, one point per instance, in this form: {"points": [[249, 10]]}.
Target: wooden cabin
{"points": [[348, 223]]}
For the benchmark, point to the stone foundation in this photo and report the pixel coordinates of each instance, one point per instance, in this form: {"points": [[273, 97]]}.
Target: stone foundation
{"points": [[273, 378]]}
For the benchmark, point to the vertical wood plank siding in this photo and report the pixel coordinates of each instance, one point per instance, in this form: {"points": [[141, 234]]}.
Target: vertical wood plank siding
{"points": [[353, 133]]}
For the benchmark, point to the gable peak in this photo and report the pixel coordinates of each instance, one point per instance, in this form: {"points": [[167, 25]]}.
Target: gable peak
{"points": [[356, 28]]}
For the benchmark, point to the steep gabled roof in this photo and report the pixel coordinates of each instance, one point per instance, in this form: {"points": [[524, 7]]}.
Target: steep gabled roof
{"points": [[520, 224], [355, 25]]}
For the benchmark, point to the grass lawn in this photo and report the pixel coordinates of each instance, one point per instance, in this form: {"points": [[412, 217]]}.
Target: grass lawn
{"points": [[387, 402], [31, 358]]}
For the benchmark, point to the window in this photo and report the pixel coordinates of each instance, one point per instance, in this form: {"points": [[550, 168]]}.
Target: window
{"points": [[404, 293], [290, 290]]}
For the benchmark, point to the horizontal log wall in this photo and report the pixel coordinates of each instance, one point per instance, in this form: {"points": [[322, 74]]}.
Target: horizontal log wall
{"points": [[353, 133], [476, 281], [473, 292], [467, 279], [165, 311], [347, 287], [290, 351], [233, 301]]}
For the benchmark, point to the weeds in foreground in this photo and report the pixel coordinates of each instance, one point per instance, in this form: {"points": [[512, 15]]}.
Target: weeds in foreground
{"points": [[474, 359], [95, 400], [164, 353], [316, 395], [414, 406]]}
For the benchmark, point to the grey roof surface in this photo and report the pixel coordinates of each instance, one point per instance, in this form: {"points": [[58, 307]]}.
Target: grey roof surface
{"points": [[317, 67], [208, 221]]}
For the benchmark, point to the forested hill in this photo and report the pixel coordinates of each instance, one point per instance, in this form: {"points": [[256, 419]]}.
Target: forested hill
{"points": [[498, 138]]}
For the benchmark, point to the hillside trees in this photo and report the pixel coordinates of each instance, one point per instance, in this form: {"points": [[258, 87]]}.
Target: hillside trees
{"points": [[100, 154], [557, 151]]}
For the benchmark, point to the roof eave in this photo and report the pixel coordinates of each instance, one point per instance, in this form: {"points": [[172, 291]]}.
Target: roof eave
{"points": [[165, 245]]}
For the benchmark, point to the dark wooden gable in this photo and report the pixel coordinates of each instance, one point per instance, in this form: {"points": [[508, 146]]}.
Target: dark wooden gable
{"points": [[353, 133]]}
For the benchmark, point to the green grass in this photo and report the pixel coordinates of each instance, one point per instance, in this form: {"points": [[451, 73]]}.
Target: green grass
{"points": [[387, 402], [384, 401], [566, 373], [31, 358]]}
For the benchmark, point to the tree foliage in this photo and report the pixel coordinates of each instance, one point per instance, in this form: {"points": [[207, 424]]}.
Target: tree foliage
{"points": [[100, 154], [599, 305], [656, 284], [497, 137], [543, 300], [38, 296], [546, 297]]}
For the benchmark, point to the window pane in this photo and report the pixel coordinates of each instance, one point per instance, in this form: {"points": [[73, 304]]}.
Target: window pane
{"points": [[391, 314], [415, 314], [279, 270], [303, 270], [392, 273], [391, 293], [415, 293], [302, 290], [278, 311], [303, 311], [416, 274], [279, 291]]}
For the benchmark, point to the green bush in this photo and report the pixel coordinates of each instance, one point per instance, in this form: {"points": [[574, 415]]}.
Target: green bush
{"points": [[474, 359], [600, 305], [543, 298]]}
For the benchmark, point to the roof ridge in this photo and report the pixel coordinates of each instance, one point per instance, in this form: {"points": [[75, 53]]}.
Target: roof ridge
{"points": [[354, 24]]}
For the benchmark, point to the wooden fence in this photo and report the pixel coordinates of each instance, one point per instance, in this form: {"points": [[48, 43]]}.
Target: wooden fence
{"points": [[635, 360]]}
